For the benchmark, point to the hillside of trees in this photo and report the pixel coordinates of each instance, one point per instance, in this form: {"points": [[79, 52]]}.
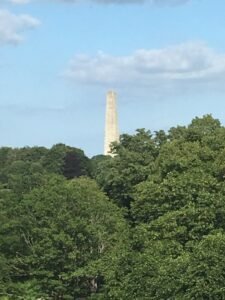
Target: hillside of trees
{"points": [[148, 223]]}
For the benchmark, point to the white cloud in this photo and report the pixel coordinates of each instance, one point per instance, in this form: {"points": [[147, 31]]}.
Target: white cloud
{"points": [[154, 2], [12, 26], [120, 2], [188, 62], [19, 1], [157, 2]]}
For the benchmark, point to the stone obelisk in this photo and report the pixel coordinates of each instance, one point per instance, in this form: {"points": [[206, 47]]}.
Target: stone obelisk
{"points": [[111, 122]]}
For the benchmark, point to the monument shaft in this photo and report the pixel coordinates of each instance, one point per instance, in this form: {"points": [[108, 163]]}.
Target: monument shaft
{"points": [[111, 122]]}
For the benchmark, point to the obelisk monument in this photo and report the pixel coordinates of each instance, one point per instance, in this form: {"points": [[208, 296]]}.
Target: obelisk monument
{"points": [[111, 122]]}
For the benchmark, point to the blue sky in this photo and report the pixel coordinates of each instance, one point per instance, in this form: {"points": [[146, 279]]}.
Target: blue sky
{"points": [[58, 58]]}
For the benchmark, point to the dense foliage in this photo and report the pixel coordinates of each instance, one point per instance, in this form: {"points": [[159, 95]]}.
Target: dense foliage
{"points": [[148, 223]]}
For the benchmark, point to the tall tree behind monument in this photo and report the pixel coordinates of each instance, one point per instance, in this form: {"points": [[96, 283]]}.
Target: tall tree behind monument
{"points": [[111, 122]]}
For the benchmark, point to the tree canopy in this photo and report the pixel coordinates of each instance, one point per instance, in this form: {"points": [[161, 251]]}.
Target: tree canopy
{"points": [[147, 223]]}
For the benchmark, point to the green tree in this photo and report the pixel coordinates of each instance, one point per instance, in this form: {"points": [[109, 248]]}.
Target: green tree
{"points": [[68, 161], [133, 163], [67, 235]]}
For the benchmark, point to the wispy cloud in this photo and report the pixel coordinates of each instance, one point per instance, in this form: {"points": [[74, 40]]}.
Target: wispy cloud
{"points": [[183, 63], [157, 2], [120, 2], [19, 1], [12, 26], [25, 109]]}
